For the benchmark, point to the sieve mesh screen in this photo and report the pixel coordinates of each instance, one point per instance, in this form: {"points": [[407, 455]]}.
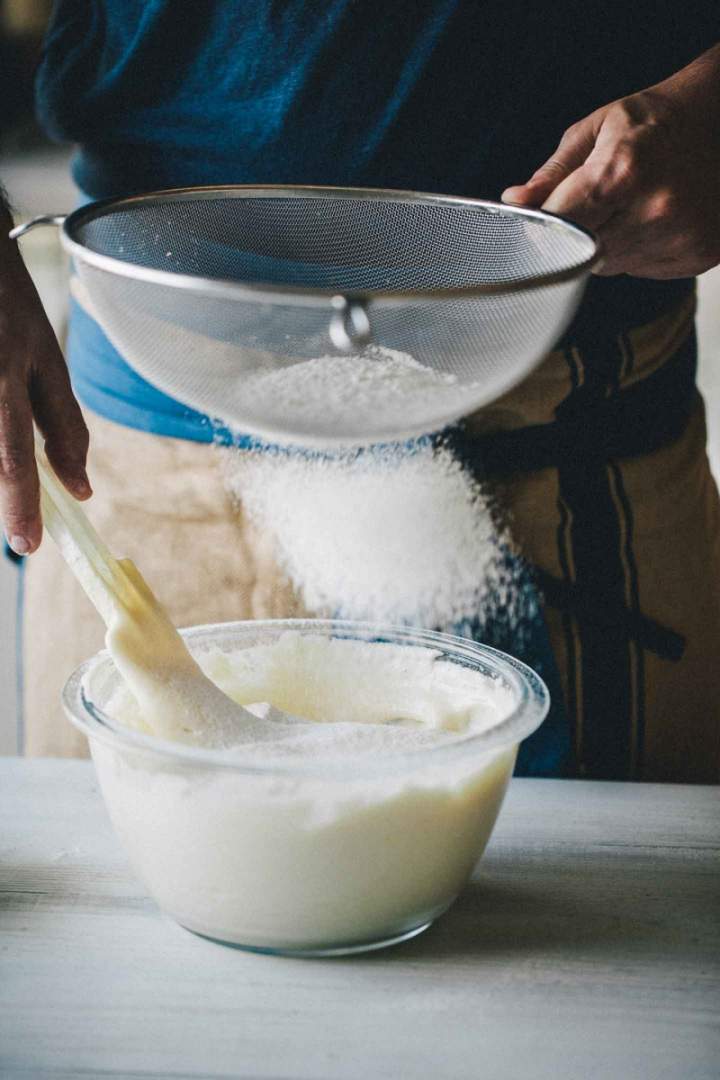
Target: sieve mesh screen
{"points": [[210, 344]]}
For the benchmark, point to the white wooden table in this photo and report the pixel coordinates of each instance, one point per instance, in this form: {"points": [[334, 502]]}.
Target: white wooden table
{"points": [[587, 948]]}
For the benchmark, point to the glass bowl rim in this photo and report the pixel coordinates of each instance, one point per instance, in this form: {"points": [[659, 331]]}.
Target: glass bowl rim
{"points": [[530, 709]]}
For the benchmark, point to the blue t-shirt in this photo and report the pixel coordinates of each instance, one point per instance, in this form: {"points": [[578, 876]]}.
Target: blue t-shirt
{"points": [[453, 96]]}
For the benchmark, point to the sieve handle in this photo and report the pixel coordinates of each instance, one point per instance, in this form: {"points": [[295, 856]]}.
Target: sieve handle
{"points": [[349, 326], [43, 219]]}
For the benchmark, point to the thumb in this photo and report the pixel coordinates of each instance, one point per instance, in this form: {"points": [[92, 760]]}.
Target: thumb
{"points": [[574, 147]]}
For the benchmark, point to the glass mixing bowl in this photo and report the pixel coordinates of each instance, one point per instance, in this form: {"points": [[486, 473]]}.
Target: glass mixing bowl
{"points": [[308, 856]]}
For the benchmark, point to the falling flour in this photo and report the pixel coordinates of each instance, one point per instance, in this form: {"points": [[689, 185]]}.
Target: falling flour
{"points": [[398, 534]]}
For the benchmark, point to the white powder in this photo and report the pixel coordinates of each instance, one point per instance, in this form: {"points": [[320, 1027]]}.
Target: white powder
{"points": [[336, 698], [375, 394], [397, 534]]}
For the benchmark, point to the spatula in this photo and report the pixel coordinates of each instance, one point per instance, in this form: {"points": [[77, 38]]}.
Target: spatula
{"points": [[176, 699]]}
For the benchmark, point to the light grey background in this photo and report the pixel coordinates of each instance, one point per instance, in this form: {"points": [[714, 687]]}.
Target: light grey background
{"points": [[39, 183]]}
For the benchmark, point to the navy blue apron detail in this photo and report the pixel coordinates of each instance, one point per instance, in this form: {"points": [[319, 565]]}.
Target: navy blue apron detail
{"points": [[523, 633], [595, 538], [637, 420], [636, 644], [574, 701], [605, 632], [566, 614], [612, 632], [569, 597]]}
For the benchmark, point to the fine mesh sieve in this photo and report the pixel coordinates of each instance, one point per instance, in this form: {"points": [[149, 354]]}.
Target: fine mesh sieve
{"points": [[414, 309]]}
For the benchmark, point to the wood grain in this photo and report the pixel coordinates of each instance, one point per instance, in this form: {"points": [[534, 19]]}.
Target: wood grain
{"points": [[586, 947]]}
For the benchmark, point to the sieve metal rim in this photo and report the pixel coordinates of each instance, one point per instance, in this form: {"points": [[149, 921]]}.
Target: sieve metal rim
{"points": [[222, 288]]}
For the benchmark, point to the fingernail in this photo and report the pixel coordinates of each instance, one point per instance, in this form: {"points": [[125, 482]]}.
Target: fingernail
{"points": [[515, 195], [80, 487], [19, 544]]}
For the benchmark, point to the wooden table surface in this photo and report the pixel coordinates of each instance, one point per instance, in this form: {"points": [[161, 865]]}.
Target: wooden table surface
{"points": [[587, 947]]}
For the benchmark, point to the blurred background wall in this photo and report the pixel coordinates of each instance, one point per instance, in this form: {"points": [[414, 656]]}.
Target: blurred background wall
{"points": [[36, 176]]}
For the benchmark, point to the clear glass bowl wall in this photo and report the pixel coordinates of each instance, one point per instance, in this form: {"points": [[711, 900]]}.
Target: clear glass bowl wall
{"points": [[307, 857]]}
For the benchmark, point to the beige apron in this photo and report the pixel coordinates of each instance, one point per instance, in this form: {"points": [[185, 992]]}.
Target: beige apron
{"points": [[162, 502]]}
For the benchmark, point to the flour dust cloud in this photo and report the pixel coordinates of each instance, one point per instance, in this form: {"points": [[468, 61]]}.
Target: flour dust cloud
{"points": [[399, 534]]}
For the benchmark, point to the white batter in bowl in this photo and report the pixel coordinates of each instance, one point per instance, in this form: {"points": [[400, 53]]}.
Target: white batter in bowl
{"points": [[350, 825]]}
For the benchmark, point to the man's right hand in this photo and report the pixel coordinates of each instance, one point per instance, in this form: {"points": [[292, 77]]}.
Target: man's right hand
{"points": [[34, 385]]}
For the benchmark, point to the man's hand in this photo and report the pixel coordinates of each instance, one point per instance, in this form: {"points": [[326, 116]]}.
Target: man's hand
{"points": [[34, 384], [644, 174]]}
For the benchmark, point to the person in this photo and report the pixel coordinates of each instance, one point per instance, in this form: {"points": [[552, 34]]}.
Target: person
{"points": [[598, 458]]}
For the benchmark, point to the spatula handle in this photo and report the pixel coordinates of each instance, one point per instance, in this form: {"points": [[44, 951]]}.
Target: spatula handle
{"points": [[97, 570]]}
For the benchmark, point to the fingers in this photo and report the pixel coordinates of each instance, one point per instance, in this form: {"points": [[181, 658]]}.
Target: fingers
{"points": [[592, 173], [585, 197], [19, 488], [61, 422], [642, 173], [34, 383], [634, 245], [573, 149], [607, 180], [41, 389]]}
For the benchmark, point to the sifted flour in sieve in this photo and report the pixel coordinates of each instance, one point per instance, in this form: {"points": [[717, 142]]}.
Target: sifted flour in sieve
{"points": [[379, 391], [400, 534]]}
